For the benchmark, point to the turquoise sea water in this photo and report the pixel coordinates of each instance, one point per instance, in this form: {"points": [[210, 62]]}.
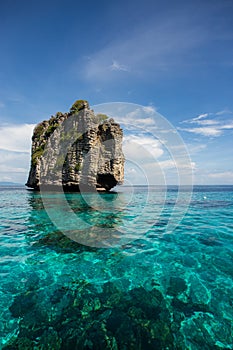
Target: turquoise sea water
{"points": [[138, 284]]}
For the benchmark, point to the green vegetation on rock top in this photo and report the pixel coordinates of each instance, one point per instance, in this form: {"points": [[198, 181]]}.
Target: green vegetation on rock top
{"points": [[38, 131], [79, 105], [101, 117]]}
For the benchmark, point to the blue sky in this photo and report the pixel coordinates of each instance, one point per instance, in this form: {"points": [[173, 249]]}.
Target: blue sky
{"points": [[175, 56]]}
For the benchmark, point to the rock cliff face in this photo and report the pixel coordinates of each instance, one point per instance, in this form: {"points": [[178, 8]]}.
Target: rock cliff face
{"points": [[78, 151]]}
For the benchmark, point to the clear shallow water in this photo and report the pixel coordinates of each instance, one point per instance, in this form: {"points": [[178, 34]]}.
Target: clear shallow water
{"points": [[153, 291]]}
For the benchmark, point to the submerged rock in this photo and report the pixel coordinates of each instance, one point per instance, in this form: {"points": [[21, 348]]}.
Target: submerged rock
{"points": [[77, 316], [78, 151], [177, 286]]}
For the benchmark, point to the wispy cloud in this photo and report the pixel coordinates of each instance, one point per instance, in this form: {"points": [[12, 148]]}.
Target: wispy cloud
{"points": [[220, 177], [201, 116], [15, 145], [224, 174], [209, 124], [135, 117], [172, 164], [224, 112], [142, 148], [201, 120], [195, 148], [118, 67], [16, 138], [14, 166], [205, 131], [197, 119], [152, 48]]}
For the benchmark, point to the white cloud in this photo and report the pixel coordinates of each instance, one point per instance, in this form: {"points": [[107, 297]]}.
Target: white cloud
{"points": [[227, 126], [205, 176], [201, 116], [204, 131], [149, 162], [141, 118], [196, 119], [149, 109], [15, 145], [222, 175], [167, 164], [207, 122], [213, 127], [141, 113], [16, 138], [118, 67], [142, 148], [221, 178], [178, 164], [10, 169], [2, 105], [14, 166]]}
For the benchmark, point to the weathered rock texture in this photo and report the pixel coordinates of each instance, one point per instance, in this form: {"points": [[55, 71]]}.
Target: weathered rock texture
{"points": [[78, 151]]}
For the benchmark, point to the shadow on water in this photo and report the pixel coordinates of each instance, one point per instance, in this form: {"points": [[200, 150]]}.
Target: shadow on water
{"points": [[71, 222]]}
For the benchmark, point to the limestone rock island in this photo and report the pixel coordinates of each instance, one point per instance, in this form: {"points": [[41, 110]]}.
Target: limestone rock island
{"points": [[77, 151]]}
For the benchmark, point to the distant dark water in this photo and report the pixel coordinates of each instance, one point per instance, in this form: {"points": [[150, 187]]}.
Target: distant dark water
{"points": [[150, 290]]}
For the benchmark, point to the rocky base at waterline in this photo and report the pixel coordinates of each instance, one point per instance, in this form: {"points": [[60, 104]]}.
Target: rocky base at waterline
{"points": [[77, 151]]}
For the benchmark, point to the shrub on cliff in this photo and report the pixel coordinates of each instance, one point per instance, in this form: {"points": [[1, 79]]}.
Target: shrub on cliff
{"points": [[79, 105], [37, 154], [51, 129], [38, 131], [101, 117]]}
